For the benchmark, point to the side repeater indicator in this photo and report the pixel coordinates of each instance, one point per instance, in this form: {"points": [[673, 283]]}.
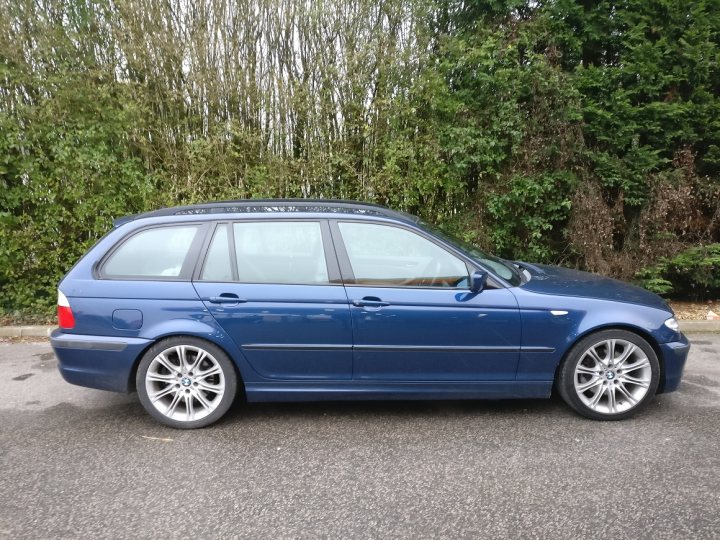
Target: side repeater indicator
{"points": [[558, 312]]}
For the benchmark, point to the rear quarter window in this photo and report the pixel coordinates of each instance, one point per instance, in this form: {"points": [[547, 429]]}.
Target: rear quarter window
{"points": [[159, 252]]}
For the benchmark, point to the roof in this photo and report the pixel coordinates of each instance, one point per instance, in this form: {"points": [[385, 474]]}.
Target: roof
{"points": [[324, 206]]}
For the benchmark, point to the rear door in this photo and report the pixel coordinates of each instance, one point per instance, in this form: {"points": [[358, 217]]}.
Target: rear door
{"points": [[414, 318], [274, 286]]}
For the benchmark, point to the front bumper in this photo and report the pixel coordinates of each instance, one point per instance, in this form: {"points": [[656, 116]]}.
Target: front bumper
{"points": [[674, 356], [101, 362]]}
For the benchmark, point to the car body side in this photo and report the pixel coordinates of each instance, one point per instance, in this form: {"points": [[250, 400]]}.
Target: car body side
{"points": [[117, 320]]}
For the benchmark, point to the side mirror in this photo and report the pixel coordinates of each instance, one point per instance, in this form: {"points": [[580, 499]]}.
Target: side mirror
{"points": [[478, 279]]}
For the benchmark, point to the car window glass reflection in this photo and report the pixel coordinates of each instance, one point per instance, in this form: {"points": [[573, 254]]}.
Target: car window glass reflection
{"points": [[384, 255]]}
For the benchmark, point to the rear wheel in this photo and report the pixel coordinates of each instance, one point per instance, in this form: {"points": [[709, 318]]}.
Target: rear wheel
{"points": [[609, 375], [186, 382]]}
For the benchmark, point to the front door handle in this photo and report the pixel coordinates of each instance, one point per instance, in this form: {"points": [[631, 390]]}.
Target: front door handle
{"points": [[226, 298], [370, 301]]}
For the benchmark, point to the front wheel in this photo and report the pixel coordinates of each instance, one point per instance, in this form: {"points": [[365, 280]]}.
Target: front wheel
{"points": [[609, 375], [186, 383]]}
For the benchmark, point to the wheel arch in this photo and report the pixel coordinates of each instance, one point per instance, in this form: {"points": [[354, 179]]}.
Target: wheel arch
{"points": [[614, 326], [133, 372]]}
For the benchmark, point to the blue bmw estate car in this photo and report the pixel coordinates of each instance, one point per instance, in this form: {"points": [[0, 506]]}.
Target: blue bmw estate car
{"points": [[299, 300]]}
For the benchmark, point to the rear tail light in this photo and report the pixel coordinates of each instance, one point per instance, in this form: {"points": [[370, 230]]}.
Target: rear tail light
{"points": [[66, 319]]}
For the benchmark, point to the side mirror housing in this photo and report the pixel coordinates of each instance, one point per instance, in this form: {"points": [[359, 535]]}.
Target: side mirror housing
{"points": [[478, 280]]}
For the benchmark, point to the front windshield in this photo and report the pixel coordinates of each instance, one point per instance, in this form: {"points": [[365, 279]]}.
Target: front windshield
{"points": [[502, 268]]}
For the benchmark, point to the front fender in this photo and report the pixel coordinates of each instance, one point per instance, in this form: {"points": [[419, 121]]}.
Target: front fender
{"points": [[548, 336]]}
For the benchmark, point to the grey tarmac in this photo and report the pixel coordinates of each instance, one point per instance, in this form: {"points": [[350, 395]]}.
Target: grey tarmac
{"points": [[81, 463]]}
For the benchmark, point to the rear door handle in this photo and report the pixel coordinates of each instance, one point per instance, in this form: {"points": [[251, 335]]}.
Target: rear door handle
{"points": [[226, 298], [370, 301]]}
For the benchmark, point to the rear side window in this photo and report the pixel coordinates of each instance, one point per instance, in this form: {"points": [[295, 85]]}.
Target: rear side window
{"points": [[217, 262], [280, 252], [152, 253]]}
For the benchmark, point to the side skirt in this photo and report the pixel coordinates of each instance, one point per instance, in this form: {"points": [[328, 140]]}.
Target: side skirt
{"points": [[361, 390]]}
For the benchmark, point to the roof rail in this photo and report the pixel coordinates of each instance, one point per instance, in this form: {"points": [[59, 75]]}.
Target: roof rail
{"points": [[273, 205]]}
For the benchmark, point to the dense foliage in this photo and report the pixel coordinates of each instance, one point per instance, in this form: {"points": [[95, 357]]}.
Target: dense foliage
{"points": [[694, 272], [585, 133]]}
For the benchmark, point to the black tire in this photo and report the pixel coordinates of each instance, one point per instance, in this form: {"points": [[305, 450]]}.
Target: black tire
{"points": [[567, 377], [174, 384]]}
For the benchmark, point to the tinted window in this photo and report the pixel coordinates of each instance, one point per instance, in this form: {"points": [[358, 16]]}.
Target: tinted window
{"points": [[280, 252], [217, 263], [384, 255], [158, 252]]}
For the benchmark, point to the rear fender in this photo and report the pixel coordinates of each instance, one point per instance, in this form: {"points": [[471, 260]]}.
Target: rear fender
{"points": [[206, 329]]}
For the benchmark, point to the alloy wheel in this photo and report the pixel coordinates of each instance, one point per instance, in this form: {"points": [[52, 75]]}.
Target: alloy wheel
{"points": [[612, 376], [185, 383]]}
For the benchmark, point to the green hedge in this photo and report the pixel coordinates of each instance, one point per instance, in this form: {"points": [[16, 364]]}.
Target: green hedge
{"points": [[582, 133], [693, 273]]}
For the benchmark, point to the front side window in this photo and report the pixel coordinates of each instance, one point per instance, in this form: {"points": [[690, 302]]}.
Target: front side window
{"points": [[152, 253], [505, 269], [391, 256], [280, 252]]}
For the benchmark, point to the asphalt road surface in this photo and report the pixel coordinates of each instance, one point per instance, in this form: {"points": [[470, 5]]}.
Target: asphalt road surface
{"points": [[80, 463]]}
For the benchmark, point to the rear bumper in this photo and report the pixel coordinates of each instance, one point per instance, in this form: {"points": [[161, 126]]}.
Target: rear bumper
{"points": [[674, 355], [99, 362]]}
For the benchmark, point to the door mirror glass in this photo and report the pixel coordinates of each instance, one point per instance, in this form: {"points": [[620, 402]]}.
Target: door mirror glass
{"points": [[478, 280]]}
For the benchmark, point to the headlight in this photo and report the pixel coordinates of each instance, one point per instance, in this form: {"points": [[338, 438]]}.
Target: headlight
{"points": [[672, 324]]}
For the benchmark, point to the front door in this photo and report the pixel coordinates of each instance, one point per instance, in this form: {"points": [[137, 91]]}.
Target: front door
{"points": [[414, 318], [271, 287]]}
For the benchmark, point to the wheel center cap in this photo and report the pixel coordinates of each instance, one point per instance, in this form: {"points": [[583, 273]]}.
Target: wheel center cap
{"points": [[185, 381], [610, 375]]}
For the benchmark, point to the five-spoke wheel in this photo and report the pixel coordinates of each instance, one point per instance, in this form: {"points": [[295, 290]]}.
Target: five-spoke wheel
{"points": [[609, 375], [186, 382]]}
